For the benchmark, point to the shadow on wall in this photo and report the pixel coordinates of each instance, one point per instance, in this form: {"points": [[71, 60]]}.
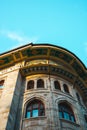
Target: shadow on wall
{"points": [[14, 118]]}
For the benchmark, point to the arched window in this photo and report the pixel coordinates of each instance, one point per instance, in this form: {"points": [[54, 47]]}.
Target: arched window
{"points": [[1, 83], [66, 88], [57, 85], [40, 83], [66, 112], [34, 109], [30, 84]]}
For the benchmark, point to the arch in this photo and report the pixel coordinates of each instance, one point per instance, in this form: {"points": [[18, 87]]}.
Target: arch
{"points": [[78, 97], [57, 85], [30, 84], [66, 88], [66, 99], [33, 97], [66, 112], [40, 83], [35, 108]]}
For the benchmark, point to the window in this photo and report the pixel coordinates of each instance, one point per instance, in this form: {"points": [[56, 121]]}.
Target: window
{"points": [[66, 112], [40, 83], [30, 84], [57, 85], [35, 109], [66, 88], [1, 83], [85, 116]]}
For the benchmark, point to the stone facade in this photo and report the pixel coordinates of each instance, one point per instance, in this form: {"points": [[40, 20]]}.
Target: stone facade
{"points": [[62, 84]]}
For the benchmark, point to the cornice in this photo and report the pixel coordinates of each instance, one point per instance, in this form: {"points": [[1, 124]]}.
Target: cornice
{"points": [[44, 51]]}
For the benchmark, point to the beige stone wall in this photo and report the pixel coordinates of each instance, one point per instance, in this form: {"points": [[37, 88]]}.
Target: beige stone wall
{"points": [[7, 97], [1, 90], [15, 95]]}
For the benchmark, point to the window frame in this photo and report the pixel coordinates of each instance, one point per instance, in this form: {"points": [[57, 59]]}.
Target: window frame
{"points": [[66, 89], [39, 107], [1, 83], [57, 85], [30, 84], [40, 83], [66, 112]]}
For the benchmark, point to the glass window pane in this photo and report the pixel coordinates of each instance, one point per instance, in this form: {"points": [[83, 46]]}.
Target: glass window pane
{"points": [[1, 86], [60, 114], [66, 116], [35, 105], [29, 108], [57, 85], [30, 84], [41, 112], [35, 113], [1, 83], [40, 83], [66, 112], [72, 119], [36, 108], [66, 88], [28, 114], [41, 106]]}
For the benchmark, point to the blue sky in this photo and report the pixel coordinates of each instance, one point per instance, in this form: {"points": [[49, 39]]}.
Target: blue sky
{"points": [[58, 22]]}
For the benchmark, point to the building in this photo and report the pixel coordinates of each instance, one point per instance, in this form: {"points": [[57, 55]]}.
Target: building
{"points": [[42, 87]]}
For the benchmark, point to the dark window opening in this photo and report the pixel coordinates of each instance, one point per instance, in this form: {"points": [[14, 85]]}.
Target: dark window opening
{"points": [[57, 85], [66, 88], [40, 83], [1, 83], [35, 109], [66, 112], [85, 118], [30, 84]]}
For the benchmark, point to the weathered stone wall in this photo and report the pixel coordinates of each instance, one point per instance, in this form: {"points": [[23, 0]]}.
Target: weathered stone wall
{"points": [[51, 98], [10, 96], [20, 104], [15, 95], [6, 98], [13, 114]]}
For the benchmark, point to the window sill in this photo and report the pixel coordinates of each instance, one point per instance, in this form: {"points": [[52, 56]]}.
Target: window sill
{"points": [[68, 121], [35, 118], [62, 92], [30, 90], [1, 88]]}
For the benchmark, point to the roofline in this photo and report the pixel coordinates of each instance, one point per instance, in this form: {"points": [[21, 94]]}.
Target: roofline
{"points": [[15, 49], [42, 44]]}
